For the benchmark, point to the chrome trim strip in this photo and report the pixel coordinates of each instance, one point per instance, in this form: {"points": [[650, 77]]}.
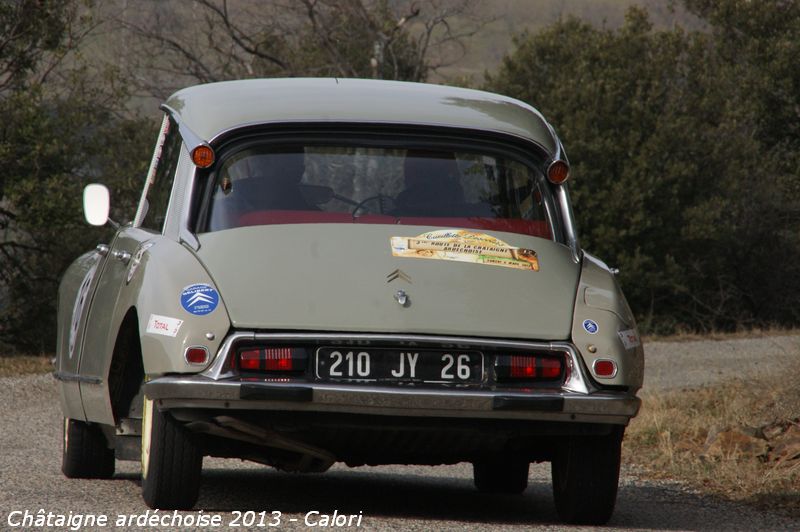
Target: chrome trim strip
{"points": [[184, 234], [219, 368], [190, 138], [64, 376], [559, 154], [570, 231], [577, 380], [178, 198], [569, 221]]}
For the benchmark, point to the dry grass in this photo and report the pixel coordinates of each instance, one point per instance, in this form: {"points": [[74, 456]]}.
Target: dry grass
{"points": [[668, 438], [11, 366]]}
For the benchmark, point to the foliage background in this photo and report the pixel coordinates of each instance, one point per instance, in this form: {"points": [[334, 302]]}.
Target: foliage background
{"points": [[681, 122], [685, 153]]}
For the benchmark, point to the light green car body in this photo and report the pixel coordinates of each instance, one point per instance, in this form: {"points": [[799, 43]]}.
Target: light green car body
{"points": [[332, 278]]}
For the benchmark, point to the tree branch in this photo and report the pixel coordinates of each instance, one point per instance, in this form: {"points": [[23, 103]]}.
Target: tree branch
{"points": [[239, 37]]}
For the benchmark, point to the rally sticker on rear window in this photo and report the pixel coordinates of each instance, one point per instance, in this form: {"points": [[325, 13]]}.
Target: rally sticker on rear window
{"points": [[199, 299], [164, 325], [465, 246]]}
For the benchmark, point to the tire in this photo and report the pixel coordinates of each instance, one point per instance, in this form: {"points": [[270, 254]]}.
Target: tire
{"points": [[171, 462], [585, 478], [85, 452], [500, 475]]}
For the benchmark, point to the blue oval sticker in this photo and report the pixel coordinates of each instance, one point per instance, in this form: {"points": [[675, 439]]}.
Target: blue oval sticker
{"points": [[199, 299], [590, 326]]}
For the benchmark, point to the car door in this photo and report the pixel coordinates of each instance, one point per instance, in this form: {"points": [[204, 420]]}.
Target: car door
{"points": [[105, 314], [75, 294]]}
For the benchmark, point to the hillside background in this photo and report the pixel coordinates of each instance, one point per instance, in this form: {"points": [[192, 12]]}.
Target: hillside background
{"points": [[501, 21], [681, 120], [514, 17]]}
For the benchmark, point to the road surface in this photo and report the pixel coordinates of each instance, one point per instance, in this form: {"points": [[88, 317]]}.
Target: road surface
{"points": [[385, 498]]}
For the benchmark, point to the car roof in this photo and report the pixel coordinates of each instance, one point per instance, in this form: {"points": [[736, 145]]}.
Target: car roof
{"points": [[212, 109]]}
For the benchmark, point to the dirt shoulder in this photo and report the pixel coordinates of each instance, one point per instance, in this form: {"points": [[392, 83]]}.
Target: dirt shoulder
{"points": [[724, 417], [676, 365]]}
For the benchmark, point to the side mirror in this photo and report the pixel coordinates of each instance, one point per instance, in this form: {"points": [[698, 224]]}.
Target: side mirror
{"points": [[96, 204]]}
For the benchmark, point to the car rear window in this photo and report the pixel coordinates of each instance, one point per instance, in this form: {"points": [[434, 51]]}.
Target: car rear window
{"points": [[458, 188]]}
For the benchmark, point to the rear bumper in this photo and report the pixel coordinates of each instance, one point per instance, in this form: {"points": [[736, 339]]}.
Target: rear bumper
{"points": [[577, 401], [202, 392]]}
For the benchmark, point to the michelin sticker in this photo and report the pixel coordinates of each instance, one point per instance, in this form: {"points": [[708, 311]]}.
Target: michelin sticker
{"points": [[465, 246], [590, 326], [199, 299], [163, 325], [630, 338]]}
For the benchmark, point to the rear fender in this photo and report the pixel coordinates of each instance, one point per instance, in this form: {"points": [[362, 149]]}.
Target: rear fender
{"points": [[166, 328], [150, 286], [603, 327]]}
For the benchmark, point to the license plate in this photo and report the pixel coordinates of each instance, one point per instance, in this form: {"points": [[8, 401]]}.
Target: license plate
{"points": [[399, 365]]}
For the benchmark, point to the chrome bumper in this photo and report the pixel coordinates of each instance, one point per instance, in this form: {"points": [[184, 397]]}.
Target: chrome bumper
{"points": [[219, 388], [175, 392]]}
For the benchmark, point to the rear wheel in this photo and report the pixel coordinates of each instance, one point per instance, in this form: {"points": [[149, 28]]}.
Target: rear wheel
{"points": [[85, 452], [171, 462], [501, 475], [585, 478]]}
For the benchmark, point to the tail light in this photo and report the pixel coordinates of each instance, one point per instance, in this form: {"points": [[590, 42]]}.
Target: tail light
{"points": [[604, 368], [196, 355], [272, 360], [530, 368]]}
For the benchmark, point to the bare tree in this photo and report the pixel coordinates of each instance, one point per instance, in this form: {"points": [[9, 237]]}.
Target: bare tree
{"points": [[35, 37], [217, 40]]}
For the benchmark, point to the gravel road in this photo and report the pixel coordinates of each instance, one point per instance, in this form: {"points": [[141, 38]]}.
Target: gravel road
{"points": [[677, 365], [387, 498]]}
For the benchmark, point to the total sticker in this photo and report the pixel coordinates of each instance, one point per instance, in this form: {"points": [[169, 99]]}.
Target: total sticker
{"points": [[199, 299], [630, 338], [164, 325], [590, 326]]}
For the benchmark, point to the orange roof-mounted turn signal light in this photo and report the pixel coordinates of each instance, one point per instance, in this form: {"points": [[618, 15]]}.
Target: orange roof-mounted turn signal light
{"points": [[558, 172], [203, 156]]}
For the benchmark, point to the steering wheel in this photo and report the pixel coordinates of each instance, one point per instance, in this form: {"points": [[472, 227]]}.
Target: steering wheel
{"points": [[385, 204]]}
